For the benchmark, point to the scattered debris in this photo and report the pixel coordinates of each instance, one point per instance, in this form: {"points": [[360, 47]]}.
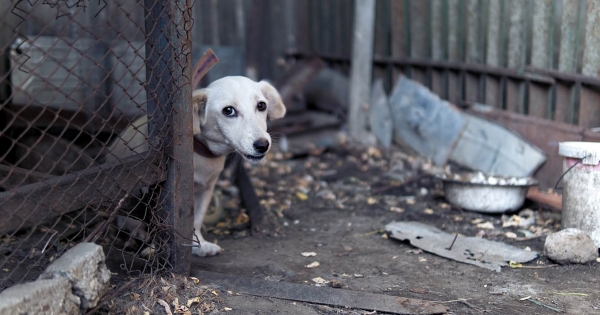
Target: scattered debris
{"points": [[528, 298], [319, 280], [471, 250], [570, 246], [524, 219], [336, 284], [309, 254], [313, 264]]}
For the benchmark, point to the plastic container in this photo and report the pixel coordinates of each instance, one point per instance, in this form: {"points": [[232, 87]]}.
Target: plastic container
{"points": [[581, 188]]}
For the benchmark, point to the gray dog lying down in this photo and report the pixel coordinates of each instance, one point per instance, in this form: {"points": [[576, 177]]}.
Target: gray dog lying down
{"points": [[230, 115]]}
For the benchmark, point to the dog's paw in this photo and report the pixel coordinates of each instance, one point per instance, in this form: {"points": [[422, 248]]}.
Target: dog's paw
{"points": [[148, 251], [206, 249]]}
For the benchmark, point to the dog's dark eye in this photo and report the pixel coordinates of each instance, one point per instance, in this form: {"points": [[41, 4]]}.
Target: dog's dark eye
{"points": [[229, 111], [261, 106]]}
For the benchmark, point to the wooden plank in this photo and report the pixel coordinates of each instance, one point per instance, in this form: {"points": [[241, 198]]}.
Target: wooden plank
{"points": [[30, 205], [589, 101], [539, 96], [362, 60], [327, 296]]}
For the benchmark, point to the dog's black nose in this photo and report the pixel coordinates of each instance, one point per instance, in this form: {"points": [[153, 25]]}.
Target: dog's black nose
{"points": [[261, 145]]}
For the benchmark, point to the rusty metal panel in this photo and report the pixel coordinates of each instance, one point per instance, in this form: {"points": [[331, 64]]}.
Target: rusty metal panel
{"points": [[514, 96], [539, 100], [569, 37], [591, 53], [589, 107], [563, 102], [542, 41], [492, 91]]}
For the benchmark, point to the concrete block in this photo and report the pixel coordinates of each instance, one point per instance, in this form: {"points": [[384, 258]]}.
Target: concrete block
{"points": [[53, 296], [84, 266]]}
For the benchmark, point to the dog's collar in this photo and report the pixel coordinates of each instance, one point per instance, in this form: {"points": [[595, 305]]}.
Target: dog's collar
{"points": [[201, 149]]}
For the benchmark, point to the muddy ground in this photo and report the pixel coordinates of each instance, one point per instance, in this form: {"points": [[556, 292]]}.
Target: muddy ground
{"points": [[336, 204]]}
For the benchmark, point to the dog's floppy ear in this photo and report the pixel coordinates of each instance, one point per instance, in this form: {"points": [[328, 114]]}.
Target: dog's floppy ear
{"points": [[275, 107], [198, 109]]}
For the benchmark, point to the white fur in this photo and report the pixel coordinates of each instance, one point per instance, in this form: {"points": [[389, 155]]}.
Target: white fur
{"points": [[221, 134]]}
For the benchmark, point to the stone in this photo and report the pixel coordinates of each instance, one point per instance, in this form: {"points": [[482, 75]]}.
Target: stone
{"points": [[53, 296], [85, 268], [570, 246]]}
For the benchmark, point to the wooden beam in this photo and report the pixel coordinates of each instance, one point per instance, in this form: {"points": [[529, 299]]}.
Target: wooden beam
{"points": [[31, 204]]}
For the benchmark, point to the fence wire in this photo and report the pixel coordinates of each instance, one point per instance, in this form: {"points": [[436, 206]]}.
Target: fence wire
{"points": [[74, 77]]}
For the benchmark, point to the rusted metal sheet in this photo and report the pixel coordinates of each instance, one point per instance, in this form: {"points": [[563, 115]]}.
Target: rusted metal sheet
{"points": [[591, 52], [542, 42], [419, 35], [589, 107], [564, 102], [35, 203], [168, 50], [543, 133], [569, 38], [539, 100]]}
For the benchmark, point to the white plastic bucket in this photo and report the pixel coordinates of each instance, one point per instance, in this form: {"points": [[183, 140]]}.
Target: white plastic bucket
{"points": [[581, 188]]}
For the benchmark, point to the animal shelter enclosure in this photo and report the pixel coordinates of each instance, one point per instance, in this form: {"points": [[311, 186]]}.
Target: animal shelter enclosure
{"points": [[77, 74], [352, 225]]}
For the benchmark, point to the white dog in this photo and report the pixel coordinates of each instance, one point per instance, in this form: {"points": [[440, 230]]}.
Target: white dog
{"points": [[230, 115]]}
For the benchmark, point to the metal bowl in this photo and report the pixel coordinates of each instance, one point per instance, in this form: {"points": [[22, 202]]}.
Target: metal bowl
{"points": [[486, 193]]}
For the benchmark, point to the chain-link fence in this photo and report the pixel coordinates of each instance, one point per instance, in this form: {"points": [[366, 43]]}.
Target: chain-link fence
{"points": [[95, 133]]}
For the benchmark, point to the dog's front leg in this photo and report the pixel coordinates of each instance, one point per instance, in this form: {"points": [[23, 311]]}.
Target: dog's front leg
{"points": [[201, 201]]}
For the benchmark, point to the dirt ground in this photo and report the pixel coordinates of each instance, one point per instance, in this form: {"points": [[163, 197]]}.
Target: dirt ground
{"points": [[336, 204]]}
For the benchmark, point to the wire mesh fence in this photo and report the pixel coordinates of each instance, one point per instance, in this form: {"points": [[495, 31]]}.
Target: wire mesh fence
{"points": [[95, 133]]}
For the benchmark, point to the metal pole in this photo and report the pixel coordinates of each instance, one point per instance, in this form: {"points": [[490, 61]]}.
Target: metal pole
{"points": [[168, 72], [362, 59]]}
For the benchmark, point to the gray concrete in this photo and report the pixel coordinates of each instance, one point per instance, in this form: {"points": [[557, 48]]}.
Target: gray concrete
{"points": [[570, 246], [40, 297], [84, 266]]}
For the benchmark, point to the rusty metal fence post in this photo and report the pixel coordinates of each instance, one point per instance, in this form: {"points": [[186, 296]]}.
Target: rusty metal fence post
{"points": [[168, 59]]}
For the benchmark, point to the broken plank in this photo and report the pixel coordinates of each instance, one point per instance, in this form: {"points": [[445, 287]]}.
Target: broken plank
{"points": [[30, 205], [554, 201], [319, 295]]}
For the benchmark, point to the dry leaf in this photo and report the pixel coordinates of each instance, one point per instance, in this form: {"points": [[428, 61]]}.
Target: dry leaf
{"points": [[397, 209], [313, 264], [428, 211], [165, 305], [135, 296], [214, 293], [195, 280], [510, 235], [309, 254], [485, 225], [192, 301], [422, 259], [302, 196], [319, 280], [410, 201], [227, 309], [371, 201]]}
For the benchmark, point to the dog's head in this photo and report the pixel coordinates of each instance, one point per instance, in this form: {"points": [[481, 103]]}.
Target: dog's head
{"points": [[231, 115]]}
